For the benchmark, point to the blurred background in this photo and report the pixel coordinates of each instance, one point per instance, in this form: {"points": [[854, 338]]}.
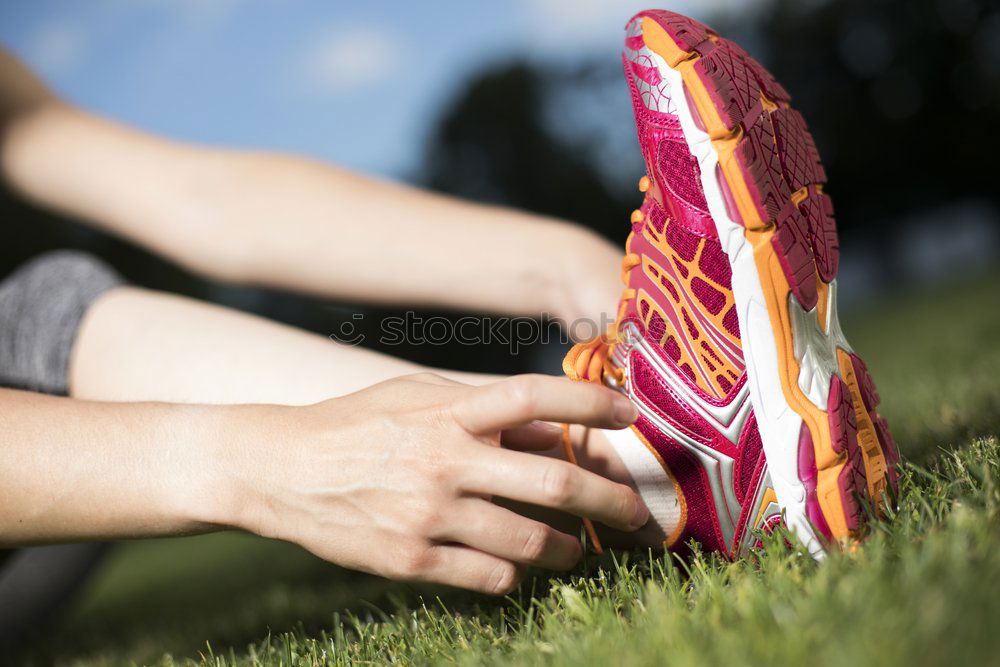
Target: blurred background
{"points": [[520, 102]]}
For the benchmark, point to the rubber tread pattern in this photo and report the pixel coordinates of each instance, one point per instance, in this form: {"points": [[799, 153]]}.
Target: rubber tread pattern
{"points": [[852, 480], [784, 177], [871, 400], [773, 147], [686, 33]]}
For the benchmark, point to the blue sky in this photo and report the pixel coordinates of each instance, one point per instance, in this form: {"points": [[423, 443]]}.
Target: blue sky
{"points": [[357, 83]]}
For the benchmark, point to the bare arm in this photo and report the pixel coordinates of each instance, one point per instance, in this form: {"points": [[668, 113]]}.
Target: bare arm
{"points": [[137, 344], [393, 480], [289, 222], [75, 469]]}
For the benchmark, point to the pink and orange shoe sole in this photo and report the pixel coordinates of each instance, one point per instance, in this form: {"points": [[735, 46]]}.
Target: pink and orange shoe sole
{"points": [[829, 452]]}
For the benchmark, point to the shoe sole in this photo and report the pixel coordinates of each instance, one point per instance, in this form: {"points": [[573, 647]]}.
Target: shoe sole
{"points": [[828, 450]]}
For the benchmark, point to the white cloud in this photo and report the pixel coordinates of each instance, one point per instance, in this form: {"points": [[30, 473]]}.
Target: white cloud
{"points": [[346, 59], [56, 48]]}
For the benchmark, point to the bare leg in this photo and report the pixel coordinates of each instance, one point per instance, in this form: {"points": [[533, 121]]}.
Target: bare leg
{"points": [[139, 345], [136, 344]]}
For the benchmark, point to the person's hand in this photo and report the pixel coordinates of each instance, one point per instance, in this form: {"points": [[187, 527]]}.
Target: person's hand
{"points": [[588, 283], [397, 479]]}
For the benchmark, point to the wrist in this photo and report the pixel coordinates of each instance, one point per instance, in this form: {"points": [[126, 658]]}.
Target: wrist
{"points": [[226, 456]]}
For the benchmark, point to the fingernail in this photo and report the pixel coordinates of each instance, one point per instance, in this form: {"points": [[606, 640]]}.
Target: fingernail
{"points": [[641, 514], [625, 411], [547, 427]]}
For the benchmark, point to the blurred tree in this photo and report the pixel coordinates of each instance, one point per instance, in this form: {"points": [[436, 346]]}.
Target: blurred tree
{"points": [[902, 97], [494, 145]]}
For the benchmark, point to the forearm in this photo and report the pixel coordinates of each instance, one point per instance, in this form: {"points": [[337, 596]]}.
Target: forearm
{"points": [[126, 182], [288, 222], [76, 470], [312, 227]]}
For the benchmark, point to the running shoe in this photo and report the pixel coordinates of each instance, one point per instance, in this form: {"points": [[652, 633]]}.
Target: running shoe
{"points": [[727, 338]]}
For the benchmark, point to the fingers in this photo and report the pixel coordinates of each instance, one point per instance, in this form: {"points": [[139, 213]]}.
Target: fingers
{"points": [[521, 399], [537, 436], [464, 567], [484, 526], [556, 484]]}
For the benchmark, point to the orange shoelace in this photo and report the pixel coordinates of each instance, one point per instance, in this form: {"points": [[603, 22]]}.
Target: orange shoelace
{"points": [[590, 361], [571, 457]]}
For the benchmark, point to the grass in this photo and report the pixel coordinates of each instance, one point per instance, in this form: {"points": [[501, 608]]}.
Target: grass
{"points": [[924, 589]]}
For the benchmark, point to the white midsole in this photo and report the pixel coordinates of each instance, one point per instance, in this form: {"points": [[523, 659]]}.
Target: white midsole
{"points": [[779, 424], [651, 480]]}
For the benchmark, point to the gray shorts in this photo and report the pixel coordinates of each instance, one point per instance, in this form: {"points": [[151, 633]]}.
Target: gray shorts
{"points": [[41, 306]]}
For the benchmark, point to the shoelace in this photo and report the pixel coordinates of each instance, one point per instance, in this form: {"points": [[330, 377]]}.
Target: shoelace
{"points": [[590, 361]]}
